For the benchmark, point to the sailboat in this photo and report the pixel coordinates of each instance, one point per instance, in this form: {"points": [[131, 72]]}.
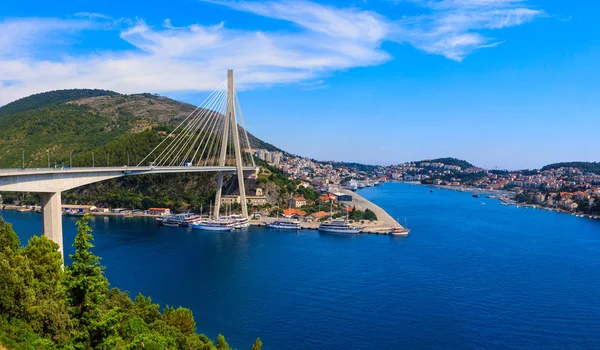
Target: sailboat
{"points": [[338, 226], [399, 231], [213, 225]]}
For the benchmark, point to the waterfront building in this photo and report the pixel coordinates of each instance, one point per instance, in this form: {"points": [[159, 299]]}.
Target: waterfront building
{"points": [[294, 213], [156, 211], [297, 202], [342, 197], [318, 215]]}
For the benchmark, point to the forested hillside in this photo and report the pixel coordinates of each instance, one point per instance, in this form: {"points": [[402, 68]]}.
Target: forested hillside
{"points": [[463, 164], [591, 167], [44, 307], [96, 127], [51, 97], [59, 123]]}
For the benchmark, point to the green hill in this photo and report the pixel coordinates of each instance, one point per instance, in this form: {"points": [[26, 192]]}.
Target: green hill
{"points": [[77, 121], [463, 164], [46, 98], [586, 167], [118, 130]]}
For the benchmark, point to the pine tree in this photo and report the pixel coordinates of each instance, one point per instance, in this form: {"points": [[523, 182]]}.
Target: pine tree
{"points": [[222, 343], [86, 289]]}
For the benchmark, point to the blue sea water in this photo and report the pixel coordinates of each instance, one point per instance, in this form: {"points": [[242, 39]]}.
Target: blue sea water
{"points": [[468, 276]]}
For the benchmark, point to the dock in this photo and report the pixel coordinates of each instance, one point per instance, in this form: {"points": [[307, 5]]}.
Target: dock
{"points": [[383, 226], [385, 222]]}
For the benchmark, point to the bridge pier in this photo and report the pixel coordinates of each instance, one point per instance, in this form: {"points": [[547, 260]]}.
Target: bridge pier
{"points": [[52, 218]]}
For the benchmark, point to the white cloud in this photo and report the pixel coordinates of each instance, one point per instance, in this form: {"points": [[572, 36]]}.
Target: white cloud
{"points": [[21, 37], [195, 57], [455, 28]]}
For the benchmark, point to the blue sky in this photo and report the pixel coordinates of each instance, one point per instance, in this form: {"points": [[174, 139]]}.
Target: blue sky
{"points": [[501, 83]]}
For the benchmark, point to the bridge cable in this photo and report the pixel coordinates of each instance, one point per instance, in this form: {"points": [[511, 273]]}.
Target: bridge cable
{"points": [[179, 138], [186, 136], [178, 126], [193, 130]]}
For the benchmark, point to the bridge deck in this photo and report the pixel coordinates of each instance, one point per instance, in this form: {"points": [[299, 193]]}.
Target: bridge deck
{"points": [[123, 169]]}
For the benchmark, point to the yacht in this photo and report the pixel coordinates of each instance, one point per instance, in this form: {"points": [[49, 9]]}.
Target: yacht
{"points": [[181, 220], [284, 225], [238, 221], [338, 226], [361, 185], [213, 225]]}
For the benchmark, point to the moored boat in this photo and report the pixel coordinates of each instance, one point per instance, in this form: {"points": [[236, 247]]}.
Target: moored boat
{"points": [[216, 225], [284, 225], [338, 226], [399, 231], [181, 220], [238, 221]]}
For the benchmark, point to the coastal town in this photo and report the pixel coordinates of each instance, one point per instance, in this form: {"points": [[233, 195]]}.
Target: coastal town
{"points": [[568, 187], [326, 190]]}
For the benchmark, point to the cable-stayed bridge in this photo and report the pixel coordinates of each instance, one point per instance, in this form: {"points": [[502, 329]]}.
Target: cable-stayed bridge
{"points": [[213, 138]]}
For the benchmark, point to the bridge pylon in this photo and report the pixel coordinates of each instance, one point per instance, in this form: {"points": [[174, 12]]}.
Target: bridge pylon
{"points": [[231, 122]]}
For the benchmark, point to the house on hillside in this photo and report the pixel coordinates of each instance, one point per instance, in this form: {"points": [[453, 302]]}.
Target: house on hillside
{"points": [[297, 202]]}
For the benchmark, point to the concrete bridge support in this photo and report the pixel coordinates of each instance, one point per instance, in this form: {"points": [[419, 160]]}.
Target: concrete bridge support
{"points": [[52, 218]]}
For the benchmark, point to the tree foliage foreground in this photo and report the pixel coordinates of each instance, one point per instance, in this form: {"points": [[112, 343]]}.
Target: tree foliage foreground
{"points": [[44, 307]]}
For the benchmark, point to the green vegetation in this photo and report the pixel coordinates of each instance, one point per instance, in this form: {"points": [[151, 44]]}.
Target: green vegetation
{"points": [[61, 129], [116, 130], [358, 215], [586, 167], [42, 307], [350, 165], [463, 164], [51, 97]]}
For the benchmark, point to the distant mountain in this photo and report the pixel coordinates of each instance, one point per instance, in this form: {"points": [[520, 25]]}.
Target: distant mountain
{"points": [[78, 121], [463, 164], [591, 167]]}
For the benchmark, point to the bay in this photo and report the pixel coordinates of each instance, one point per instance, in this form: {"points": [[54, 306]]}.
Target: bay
{"points": [[468, 276]]}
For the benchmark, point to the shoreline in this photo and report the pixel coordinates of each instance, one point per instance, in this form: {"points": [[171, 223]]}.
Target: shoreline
{"points": [[503, 192]]}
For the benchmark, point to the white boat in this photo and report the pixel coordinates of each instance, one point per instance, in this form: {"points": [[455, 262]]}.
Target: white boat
{"points": [[397, 231], [238, 221], [284, 225], [217, 225], [338, 226], [181, 220]]}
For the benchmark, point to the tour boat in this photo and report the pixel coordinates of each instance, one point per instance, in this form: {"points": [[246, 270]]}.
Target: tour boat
{"points": [[338, 226], [217, 225], [181, 220], [284, 225], [238, 221]]}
